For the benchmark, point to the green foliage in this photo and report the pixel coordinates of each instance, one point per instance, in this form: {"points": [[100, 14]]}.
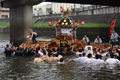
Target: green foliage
{"points": [[4, 24], [34, 20], [45, 24], [41, 25]]}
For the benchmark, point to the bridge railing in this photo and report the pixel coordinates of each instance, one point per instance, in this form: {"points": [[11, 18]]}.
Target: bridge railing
{"points": [[90, 10]]}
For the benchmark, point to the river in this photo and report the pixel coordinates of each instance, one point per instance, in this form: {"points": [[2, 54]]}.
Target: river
{"points": [[22, 68]]}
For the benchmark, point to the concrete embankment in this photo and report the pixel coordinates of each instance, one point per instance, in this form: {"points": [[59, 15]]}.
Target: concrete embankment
{"points": [[91, 32]]}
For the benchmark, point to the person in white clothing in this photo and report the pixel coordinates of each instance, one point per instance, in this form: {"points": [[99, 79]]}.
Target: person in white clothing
{"points": [[88, 61], [40, 52], [98, 40], [114, 38], [98, 60], [104, 53], [80, 59], [102, 62], [112, 62], [86, 39], [97, 63], [88, 49], [79, 52]]}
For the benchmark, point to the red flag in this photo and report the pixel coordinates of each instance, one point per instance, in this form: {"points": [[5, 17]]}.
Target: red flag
{"points": [[82, 22], [112, 27], [61, 9], [49, 23]]}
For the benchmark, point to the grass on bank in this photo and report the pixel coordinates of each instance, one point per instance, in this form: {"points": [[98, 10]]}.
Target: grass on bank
{"points": [[34, 21], [42, 25], [4, 24]]}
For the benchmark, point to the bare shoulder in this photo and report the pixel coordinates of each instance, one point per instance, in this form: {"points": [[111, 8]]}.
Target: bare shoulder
{"points": [[35, 59], [34, 32]]}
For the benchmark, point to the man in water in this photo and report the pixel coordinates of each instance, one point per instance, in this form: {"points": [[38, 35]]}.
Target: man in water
{"points": [[50, 58], [81, 59], [86, 39], [88, 49], [98, 40], [102, 62], [57, 57], [61, 61], [97, 63], [112, 62], [38, 60], [88, 61], [98, 60], [114, 38], [33, 35]]}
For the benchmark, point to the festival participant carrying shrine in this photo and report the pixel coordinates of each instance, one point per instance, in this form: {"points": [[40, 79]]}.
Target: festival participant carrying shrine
{"points": [[88, 49], [33, 35]]}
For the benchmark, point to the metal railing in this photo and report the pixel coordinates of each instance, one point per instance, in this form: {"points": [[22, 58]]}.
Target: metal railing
{"points": [[90, 10]]}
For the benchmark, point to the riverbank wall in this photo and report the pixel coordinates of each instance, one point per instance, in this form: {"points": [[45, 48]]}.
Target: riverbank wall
{"points": [[91, 32]]}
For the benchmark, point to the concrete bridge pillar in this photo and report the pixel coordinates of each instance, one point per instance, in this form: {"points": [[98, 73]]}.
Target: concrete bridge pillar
{"points": [[21, 21]]}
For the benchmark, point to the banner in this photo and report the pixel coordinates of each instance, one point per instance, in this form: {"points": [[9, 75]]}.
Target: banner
{"points": [[112, 27]]}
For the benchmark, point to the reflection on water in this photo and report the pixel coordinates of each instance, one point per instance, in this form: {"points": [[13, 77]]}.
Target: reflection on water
{"points": [[22, 68]]}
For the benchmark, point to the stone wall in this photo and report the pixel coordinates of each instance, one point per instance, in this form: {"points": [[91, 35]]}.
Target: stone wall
{"points": [[48, 32], [91, 32], [98, 18], [4, 30]]}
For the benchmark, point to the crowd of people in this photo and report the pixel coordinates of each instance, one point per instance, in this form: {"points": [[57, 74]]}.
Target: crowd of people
{"points": [[90, 56], [11, 50], [98, 40], [87, 55], [97, 60]]}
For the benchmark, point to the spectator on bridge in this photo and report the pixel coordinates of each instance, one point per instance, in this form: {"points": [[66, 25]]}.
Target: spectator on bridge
{"points": [[114, 38], [98, 40], [86, 39], [33, 35]]}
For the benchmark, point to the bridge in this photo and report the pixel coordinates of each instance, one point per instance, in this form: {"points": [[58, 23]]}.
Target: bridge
{"points": [[21, 14]]}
